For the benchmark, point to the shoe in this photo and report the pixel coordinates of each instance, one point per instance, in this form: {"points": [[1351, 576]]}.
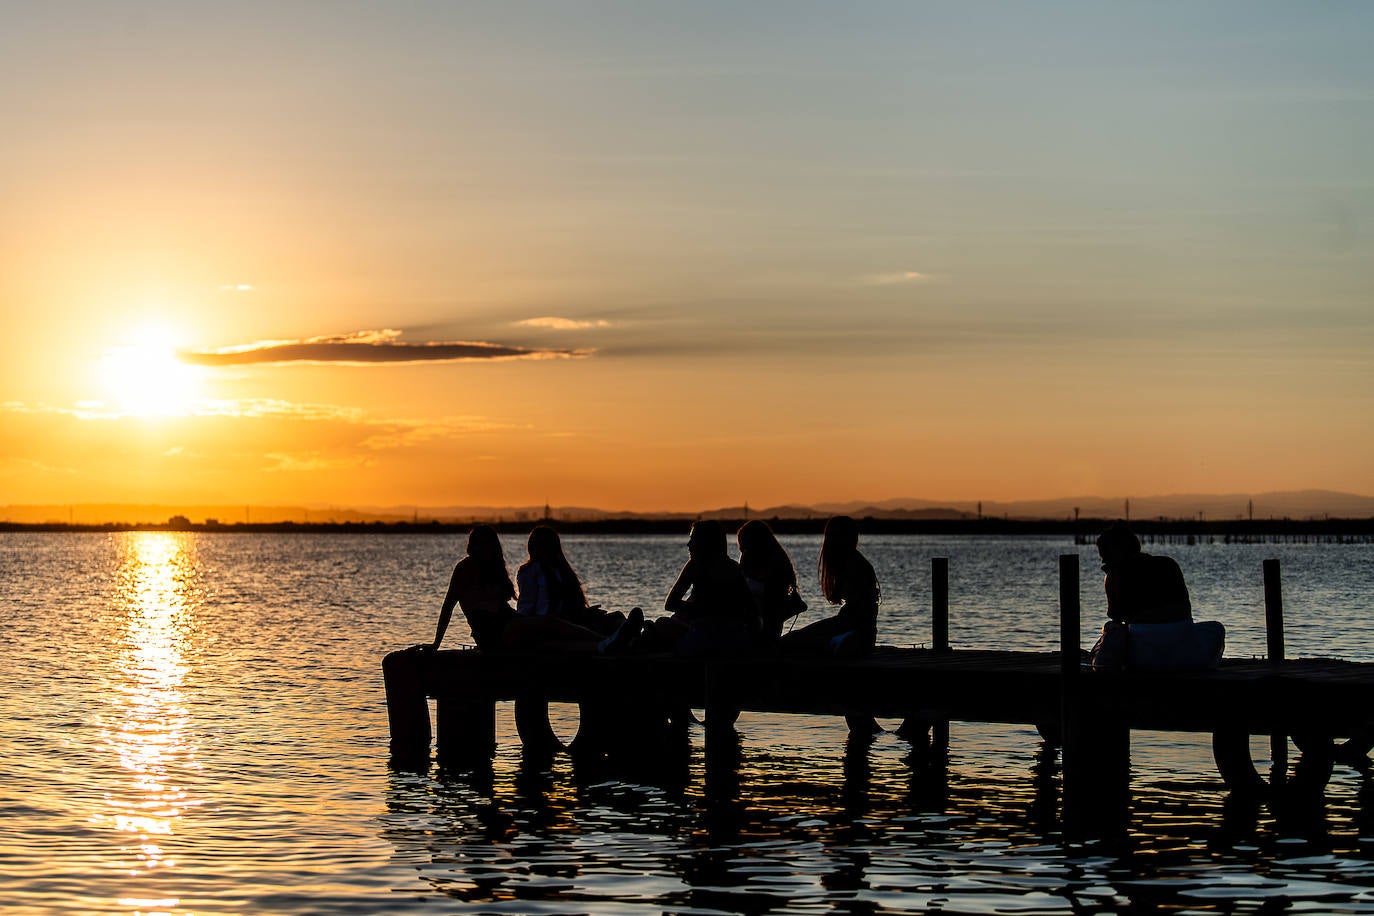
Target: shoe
{"points": [[624, 634]]}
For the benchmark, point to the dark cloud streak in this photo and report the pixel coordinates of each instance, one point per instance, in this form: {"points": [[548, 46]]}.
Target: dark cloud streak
{"points": [[367, 348]]}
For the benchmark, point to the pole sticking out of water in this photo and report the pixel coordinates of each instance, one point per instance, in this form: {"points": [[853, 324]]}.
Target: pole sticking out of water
{"points": [[1273, 632]]}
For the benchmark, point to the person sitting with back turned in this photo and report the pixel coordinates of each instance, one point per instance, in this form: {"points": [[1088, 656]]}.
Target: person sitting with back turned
{"points": [[1141, 587], [846, 579], [771, 577], [481, 587], [548, 586], [1151, 626], [712, 608]]}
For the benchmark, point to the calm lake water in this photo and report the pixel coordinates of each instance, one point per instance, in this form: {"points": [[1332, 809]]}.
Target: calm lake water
{"points": [[195, 723]]}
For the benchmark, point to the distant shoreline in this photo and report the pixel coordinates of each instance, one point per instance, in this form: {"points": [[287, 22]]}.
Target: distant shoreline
{"points": [[1235, 530]]}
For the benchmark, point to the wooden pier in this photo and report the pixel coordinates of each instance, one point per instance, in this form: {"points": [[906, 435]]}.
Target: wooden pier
{"points": [[633, 703]]}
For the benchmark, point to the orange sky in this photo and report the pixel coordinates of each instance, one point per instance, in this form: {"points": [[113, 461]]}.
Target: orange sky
{"points": [[681, 258]]}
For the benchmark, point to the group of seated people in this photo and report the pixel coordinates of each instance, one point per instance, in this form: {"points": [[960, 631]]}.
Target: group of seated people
{"points": [[717, 605]]}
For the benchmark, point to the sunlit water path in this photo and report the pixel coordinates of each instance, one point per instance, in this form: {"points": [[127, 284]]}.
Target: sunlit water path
{"points": [[194, 723]]}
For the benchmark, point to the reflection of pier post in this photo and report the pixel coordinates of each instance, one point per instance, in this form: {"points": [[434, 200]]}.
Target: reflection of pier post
{"points": [[1096, 742]]}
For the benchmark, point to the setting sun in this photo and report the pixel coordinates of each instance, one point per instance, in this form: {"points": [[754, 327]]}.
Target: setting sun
{"points": [[144, 377]]}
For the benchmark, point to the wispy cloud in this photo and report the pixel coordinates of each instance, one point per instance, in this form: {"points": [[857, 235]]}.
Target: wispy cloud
{"points": [[381, 432], [366, 348], [555, 323], [237, 287], [313, 461], [897, 277]]}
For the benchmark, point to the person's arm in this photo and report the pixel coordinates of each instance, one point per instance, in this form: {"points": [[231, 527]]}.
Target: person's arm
{"points": [[675, 601], [446, 611]]}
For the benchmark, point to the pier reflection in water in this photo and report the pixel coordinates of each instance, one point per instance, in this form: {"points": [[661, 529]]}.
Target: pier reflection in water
{"points": [[873, 828]]}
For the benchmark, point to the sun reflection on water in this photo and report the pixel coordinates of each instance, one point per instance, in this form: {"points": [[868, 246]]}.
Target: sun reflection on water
{"points": [[148, 732]]}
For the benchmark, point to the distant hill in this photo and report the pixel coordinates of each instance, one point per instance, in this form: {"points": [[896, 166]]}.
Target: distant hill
{"points": [[1298, 504]]}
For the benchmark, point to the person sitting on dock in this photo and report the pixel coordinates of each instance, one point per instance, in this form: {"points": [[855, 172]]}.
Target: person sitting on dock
{"points": [[1141, 587], [548, 586], [771, 577], [712, 608], [481, 587], [846, 579], [1151, 625]]}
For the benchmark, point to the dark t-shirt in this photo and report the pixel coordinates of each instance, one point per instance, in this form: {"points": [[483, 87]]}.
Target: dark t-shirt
{"points": [[1147, 589]]}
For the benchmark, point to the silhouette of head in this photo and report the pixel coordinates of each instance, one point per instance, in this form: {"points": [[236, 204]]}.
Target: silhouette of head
{"points": [[840, 542], [484, 546], [756, 537], [707, 540], [1117, 543], [545, 546], [759, 551]]}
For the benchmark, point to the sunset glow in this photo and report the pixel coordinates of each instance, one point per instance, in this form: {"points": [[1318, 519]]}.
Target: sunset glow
{"points": [[146, 379], [686, 258]]}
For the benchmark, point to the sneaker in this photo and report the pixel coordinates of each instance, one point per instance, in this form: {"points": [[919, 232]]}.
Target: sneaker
{"points": [[624, 634]]}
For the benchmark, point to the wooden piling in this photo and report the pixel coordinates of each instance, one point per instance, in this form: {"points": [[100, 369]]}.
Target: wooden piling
{"points": [[939, 604], [1097, 744], [407, 708], [917, 729], [532, 723], [939, 641], [465, 731], [1273, 637]]}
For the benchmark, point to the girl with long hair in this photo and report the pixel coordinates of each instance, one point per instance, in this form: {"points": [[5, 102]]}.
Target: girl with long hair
{"points": [[481, 587], [771, 577], [550, 587], [847, 579]]}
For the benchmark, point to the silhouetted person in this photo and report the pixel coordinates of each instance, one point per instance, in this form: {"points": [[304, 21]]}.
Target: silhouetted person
{"points": [[482, 588], [1141, 587], [548, 586], [712, 608], [846, 579], [771, 577]]}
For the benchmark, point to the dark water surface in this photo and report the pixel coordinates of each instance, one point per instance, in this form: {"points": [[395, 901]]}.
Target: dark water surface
{"points": [[194, 723]]}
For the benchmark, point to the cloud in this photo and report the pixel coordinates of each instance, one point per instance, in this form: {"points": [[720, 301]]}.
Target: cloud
{"points": [[901, 276], [313, 461], [365, 348], [382, 432], [237, 287], [562, 324]]}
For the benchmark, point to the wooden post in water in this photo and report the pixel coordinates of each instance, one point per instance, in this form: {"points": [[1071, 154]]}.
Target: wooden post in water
{"points": [[1096, 743], [939, 640], [917, 729], [465, 732], [1070, 728], [407, 710], [537, 739], [1273, 637]]}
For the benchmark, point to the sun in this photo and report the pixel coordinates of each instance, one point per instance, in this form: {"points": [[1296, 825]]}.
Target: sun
{"points": [[145, 378]]}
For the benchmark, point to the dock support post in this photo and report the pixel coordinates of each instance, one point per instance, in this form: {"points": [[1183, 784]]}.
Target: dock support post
{"points": [[1273, 633], [1097, 744], [939, 641], [537, 739], [407, 710], [466, 732], [935, 730]]}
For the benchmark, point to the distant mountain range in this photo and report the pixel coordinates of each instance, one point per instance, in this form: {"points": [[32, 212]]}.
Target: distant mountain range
{"points": [[1300, 504]]}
